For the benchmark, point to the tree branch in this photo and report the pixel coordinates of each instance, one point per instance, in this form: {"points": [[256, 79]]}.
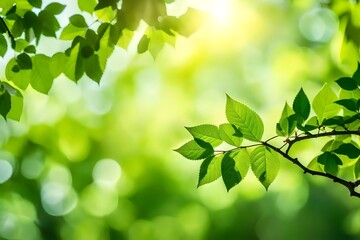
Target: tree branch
{"points": [[348, 184], [6, 27]]}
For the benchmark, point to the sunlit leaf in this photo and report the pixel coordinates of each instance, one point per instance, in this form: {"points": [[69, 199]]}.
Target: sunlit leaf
{"points": [[55, 8], [357, 169], [92, 68], [106, 48], [57, 63], [265, 165], [248, 122], [210, 170], [125, 39], [11, 89], [87, 5], [196, 149], [315, 166], [207, 133], [21, 44], [323, 103], [20, 78], [230, 134], [70, 32], [105, 3], [234, 167], [287, 122], [16, 108], [41, 78]]}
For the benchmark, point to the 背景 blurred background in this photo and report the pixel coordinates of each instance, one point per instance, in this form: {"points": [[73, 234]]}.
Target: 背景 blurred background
{"points": [[96, 161]]}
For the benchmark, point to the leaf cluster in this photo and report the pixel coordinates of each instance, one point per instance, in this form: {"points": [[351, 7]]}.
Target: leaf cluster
{"points": [[91, 34], [335, 115]]}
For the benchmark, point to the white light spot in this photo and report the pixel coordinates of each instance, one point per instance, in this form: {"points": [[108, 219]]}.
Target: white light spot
{"points": [[58, 199], [6, 170], [106, 172], [318, 25]]}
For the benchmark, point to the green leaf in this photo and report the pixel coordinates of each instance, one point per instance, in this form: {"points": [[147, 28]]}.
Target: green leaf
{"points": [[12, 90], [16, 108], [17, 28], [125, 39], [196, 149], [323, 104], [35, 3], [21, 44], [350, 104], [210, 170], [347, 83], [356, 75], [230, 134], [349, 150], [301, 105], [2, 27], [315, 166], [106, 48], [311, 124], [70, 32], [30, 49], [334, 121], [50, 24], [207, 133], [92, 68], [55, 8], [357, 169], [87, 5], [3, 45], [21, 78], [265, 165], [5, 103], [74, 65], [143, 44], [57, 63], [24, 61], [287, 122], [87, 51], [234, 167], [189, 22], [78, 21], [105, 3], [41, 78], [248, 122], [330, 161]]}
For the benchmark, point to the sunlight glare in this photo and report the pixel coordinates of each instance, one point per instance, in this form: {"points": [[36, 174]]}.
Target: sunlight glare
{"points": [[220, 12]]}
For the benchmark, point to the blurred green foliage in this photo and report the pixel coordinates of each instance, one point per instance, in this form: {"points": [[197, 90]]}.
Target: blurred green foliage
{"points": [[95, 161]]}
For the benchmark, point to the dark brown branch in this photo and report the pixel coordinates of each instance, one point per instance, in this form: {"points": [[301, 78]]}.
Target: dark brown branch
{"points": [[348, 184], [6, 27]]}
